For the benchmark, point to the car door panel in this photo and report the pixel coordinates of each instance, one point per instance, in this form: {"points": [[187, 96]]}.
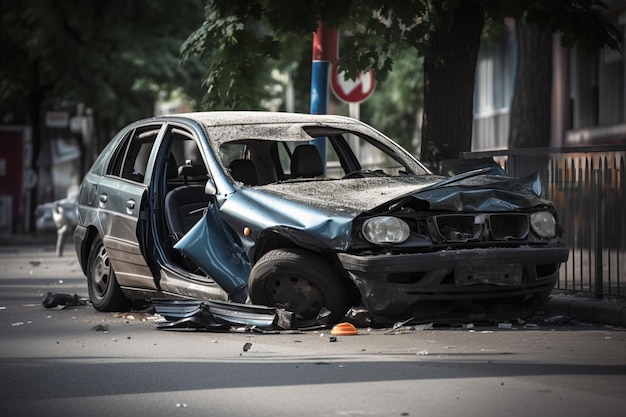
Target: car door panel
{"points": [[211, 246], [120, 206], [121, 197]]}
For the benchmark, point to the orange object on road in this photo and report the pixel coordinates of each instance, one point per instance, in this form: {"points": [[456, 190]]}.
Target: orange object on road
{"points": [[344, 329]]}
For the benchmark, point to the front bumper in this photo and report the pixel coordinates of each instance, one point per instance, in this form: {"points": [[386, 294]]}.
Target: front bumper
{"points": [[425, 286]]}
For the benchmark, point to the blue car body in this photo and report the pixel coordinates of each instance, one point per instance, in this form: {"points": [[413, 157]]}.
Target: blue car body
{"points": [[373, 230]]}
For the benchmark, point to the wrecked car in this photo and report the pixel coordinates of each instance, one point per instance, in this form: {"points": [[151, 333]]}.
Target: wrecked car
{"points": [[318, 215]]}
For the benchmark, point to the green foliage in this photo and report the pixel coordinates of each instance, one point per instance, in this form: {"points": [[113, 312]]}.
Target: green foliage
{"points": [[240, 41], [395, 103], [119, 56], [115, 56], [233, 76]]}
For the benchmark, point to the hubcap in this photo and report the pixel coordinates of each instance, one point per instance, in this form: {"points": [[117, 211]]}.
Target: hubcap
{"points": [[101, 272], [297, 294]]}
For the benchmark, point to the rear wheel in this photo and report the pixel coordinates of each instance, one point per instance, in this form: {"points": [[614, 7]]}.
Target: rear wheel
{"points": [[104, 291], [301, 282]]}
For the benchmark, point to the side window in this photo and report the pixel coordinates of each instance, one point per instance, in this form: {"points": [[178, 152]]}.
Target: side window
{"points": [[131, 159], [185, 162], [231, 151], [285, 150], [374, 158]]}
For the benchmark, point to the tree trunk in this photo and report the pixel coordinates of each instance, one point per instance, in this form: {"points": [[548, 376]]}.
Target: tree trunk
{"points": [[449, 72], [531, 103]]}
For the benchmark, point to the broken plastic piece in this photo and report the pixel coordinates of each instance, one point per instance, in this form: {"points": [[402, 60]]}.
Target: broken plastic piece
{"points": [[344, 329], [359, 316], [212, 315], [285, 319]]}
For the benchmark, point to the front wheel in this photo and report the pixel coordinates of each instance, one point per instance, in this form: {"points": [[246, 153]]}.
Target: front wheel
{"points": [[105, 293], [301, 282]]}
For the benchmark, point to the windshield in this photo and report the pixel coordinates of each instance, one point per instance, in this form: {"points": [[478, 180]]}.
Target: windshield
{"points": [[323, 154]]}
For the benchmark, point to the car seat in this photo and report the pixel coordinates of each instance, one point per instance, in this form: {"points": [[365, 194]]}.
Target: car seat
{"points": [[244, 170], [184, 205], [306, 162]]}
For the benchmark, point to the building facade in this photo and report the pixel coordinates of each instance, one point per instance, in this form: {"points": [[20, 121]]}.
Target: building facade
{"points": [[588, 92]]}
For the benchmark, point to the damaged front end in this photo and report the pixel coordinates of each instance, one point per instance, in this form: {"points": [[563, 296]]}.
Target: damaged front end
{"points": [[478, 248]]}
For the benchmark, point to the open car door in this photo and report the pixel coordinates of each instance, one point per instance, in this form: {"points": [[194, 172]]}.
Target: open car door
{"points": [[123, 203]]}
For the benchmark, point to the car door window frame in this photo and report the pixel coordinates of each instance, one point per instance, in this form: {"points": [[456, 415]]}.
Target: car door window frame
{"points": [[132, 158]]}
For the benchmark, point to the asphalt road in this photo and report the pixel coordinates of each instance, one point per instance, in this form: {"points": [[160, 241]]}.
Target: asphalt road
{"points": [[79, 362]]}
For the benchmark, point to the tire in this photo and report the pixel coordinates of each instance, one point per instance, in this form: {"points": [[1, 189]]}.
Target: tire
{"points": [[105, 293], [300, 282]]}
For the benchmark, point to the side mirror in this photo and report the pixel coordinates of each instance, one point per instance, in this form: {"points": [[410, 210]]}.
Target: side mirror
{"points": [[210, 189]]}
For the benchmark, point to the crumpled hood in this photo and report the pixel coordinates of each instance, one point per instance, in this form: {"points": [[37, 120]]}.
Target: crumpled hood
{"points": [[350, 196], [484, 193], [430, 192]]}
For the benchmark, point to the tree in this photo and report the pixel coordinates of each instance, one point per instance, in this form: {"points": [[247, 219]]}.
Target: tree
{"points": [[530, 106], [237, 37], [114, 56], [449, 73]]}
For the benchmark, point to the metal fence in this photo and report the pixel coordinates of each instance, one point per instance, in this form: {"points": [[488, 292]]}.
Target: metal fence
{"points": [[587, 185]]}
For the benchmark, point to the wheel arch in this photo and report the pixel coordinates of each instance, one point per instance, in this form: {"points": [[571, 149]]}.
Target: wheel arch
{"points": [[83, 250]]}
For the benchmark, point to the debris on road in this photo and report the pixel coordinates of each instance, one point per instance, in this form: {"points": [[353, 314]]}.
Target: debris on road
{"points": [[344, 329], [401, 327], [55, 300], [100, 328], [216, 316]]}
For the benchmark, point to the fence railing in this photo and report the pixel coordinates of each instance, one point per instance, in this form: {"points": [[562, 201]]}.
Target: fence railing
{"points": [[588, 187]]}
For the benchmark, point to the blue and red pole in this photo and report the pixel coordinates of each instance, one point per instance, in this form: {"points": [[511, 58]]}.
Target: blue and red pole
{"points": [[324, 54]]}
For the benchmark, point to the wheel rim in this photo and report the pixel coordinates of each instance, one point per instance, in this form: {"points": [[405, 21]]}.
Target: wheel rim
{"points": [[101, 273], [297, 294]]}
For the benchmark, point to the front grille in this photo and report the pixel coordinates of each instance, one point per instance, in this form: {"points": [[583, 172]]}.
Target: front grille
{"points": [[458, 227], [479, 227], [508, 226]]}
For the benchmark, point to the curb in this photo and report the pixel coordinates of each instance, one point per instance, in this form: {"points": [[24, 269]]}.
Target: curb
{"points": [[610, 312]]}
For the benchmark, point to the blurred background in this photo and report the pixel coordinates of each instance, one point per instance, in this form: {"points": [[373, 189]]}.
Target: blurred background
{"points": [[74, 72]]}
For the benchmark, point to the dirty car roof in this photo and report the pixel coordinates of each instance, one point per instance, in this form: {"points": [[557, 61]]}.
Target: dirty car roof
{"points": [[222, 118]]}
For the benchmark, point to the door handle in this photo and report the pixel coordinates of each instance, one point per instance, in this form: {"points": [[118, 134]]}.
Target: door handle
{"points": [[103, 199], [130, 204]]}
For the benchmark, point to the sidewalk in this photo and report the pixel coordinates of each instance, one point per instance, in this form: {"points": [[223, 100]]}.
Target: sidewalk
{"points": [[585, 309], [581, 307]]}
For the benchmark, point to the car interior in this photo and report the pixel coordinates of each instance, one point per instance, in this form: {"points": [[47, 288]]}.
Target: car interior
{"points": [[250, 162]]}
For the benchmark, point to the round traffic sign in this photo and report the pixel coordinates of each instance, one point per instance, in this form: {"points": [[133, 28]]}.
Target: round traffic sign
{"points": [[351, 91]]}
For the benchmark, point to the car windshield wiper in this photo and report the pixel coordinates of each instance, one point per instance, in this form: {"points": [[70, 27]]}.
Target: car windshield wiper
{"points": [[457, 178]]}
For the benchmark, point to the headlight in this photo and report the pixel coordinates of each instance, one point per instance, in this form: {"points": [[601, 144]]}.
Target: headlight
{"points": [[543, 223], [385, 229]]}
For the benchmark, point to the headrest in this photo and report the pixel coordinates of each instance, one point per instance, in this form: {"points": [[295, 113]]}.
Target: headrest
{"points": [[306, 162], [244, 170], [192, 170]]}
